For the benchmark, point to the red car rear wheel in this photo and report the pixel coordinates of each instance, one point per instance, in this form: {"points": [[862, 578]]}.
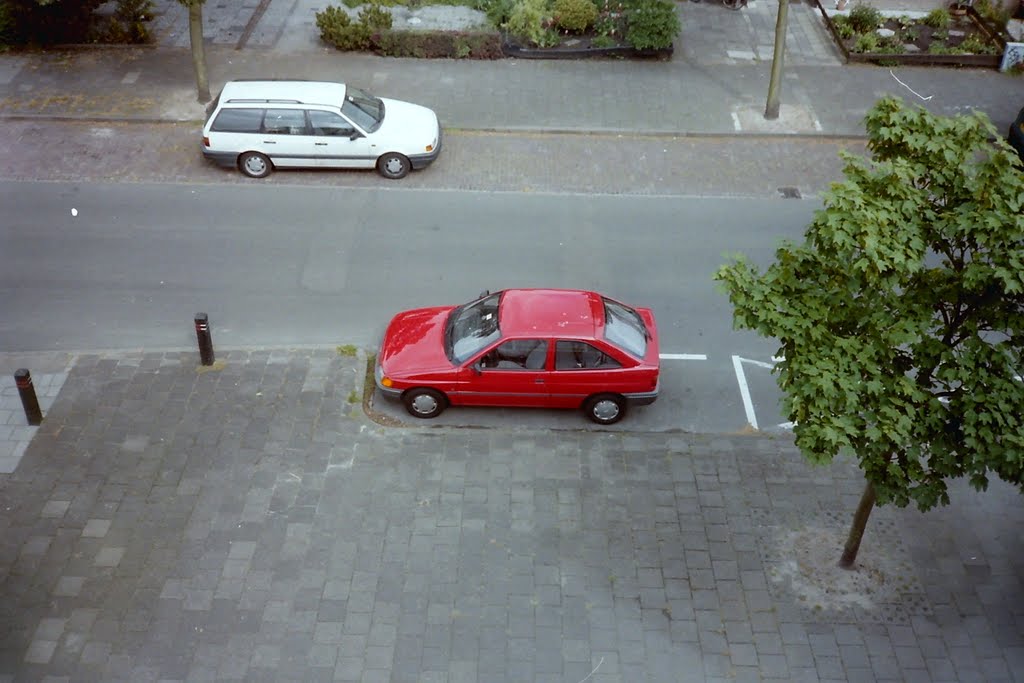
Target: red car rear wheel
{"points": [[605, 409]]}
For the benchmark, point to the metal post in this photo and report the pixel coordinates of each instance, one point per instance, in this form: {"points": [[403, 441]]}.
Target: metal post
{"points": [[23, 378], [205, 339]]}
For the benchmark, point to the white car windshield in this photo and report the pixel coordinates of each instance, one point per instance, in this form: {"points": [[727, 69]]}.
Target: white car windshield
{"points": [[625, 328], [471, 327], [363, 109]]}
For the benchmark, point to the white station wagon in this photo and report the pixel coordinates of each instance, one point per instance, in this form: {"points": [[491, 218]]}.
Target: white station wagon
{"points": [[257, 126]]}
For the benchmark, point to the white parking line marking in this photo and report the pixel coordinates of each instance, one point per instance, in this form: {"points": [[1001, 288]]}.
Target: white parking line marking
{"points": [[741, 379], [683, 356]]}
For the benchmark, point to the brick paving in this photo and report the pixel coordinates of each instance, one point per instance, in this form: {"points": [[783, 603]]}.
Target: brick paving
{"points": [[248, 522]]}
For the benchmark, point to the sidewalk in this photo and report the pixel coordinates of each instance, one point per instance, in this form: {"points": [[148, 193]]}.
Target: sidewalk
{"points": [[246, 522], [715, 84]]}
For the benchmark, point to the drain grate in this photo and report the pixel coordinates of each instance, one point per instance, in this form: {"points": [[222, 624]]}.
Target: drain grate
{"points": [[789, 192]]}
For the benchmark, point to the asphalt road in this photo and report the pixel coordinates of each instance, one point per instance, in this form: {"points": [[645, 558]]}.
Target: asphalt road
{"points": [[720, 166], [101, 266], [325, 257]]}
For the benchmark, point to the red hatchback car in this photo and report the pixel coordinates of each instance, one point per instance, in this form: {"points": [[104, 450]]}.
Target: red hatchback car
{"points": [[542, 348]]}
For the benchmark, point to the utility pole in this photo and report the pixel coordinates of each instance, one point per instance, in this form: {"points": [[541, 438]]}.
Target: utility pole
{"points": [[771, 109]]}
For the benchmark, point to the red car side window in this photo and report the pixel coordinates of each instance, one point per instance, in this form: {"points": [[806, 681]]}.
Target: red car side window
{"points": [[579, 355], [517, 354]]}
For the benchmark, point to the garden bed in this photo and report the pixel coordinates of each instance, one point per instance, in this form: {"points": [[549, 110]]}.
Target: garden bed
{"points": [[966, 41], [525, 29]]}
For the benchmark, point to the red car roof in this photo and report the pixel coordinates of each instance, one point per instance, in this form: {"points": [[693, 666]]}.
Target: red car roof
{"points": [[551, 312]]}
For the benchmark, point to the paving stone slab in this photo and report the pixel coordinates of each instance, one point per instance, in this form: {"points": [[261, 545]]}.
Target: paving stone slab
{"points": [[412, 554]]}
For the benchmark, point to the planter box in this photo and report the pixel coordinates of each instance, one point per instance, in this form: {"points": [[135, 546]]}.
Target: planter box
{"points": [[921, 58], [513, 49]]}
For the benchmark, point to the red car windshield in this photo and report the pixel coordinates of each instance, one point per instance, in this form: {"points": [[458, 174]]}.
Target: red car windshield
{"points": [[471, 327]]}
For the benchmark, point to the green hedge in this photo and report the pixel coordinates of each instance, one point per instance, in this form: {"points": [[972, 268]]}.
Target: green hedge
{"points": [[437, 44], [652, 24], [25, 22], [649, 25], [372, 31]]}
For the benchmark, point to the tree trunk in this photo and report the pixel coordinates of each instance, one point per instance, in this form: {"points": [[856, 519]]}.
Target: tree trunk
{"points": [[860, 520], [195, 36], [771, 108]]}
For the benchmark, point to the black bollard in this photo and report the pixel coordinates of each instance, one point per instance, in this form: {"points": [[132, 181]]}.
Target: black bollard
{"points": [[205, 339], [23, 378]]}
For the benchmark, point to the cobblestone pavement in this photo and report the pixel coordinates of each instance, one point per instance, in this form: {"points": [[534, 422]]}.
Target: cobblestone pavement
{"points": [[246, 522], [599, 163]]}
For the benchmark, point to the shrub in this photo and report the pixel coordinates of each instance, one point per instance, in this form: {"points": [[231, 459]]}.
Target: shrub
{"points": [[604, 41], [610, 23], [527, 19], [938, 18], [438, 44], [652, 24], [337, 28], [8, 27], [549, 38], [574, 15], [844, 29], [58, 21], [611, 19], [891, 46], [867, 42], [976, 45], [130, 11], [995, 13], [375, 17], [128, 25], [865, 18], [497, 11], [118, 33], [330, 21]]}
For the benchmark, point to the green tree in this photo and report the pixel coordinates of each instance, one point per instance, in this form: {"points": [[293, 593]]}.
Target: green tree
{"points": [[195, 36], [901, 316]]}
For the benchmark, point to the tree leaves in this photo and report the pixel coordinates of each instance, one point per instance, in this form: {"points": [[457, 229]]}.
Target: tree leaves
{"points": [[901, 315]]}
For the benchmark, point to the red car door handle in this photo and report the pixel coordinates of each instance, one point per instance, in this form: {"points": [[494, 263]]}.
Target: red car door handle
{"points": [[538, 381]]}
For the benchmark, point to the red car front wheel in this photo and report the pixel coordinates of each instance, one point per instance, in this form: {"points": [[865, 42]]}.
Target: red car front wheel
{"points": [[424, 403]]}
